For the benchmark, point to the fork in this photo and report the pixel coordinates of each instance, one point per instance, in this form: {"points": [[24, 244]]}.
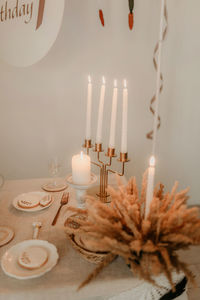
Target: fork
{"points": [[64, 200]]}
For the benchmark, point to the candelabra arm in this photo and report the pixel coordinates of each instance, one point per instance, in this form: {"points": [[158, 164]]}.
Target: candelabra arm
{"points": [[110, 162], [115, 172], [94, 163], [98, 157]]}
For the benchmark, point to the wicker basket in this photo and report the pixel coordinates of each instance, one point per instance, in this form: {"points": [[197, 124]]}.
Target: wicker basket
{"points": [[93, 257]]}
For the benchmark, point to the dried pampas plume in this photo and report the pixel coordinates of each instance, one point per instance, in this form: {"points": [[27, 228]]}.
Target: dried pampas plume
{"points": [[149, 246]]}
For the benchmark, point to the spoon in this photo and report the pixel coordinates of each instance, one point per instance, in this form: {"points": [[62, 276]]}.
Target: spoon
{"points": [[64, 201]]}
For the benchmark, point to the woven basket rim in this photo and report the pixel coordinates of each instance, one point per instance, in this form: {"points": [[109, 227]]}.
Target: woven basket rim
{"points": [[80, 247]]}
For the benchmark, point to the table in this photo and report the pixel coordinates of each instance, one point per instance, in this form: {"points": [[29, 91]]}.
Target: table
{"points": [[71, 270]]}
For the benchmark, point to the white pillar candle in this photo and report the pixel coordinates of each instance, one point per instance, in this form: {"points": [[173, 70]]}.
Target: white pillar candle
{"points": [[81, 169], [124, 148], [89, 110], [113, 117], [150, 185], [100, 115]]}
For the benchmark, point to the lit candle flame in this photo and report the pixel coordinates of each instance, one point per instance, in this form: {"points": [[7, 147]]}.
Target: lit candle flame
{"points": [[89, 79], [152, 161], [103, 80], [115, 83], [125, 83]]}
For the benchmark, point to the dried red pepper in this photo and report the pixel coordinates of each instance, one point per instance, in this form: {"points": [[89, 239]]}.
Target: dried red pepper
{"points": [[101, 16], [131, 15], [131, 20]]}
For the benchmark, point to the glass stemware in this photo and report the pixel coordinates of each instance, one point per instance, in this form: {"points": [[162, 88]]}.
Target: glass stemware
{"points": [[54, 167]]}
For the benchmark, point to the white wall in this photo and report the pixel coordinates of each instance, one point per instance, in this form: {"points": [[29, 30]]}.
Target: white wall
{"points": [[43, 107]]}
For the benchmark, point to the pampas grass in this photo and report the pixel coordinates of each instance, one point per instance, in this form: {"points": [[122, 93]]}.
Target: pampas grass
{"points": [[149, 246]]}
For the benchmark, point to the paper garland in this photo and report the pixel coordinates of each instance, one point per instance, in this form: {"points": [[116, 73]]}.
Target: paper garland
{"points": [[131, 3], [153, 99]]}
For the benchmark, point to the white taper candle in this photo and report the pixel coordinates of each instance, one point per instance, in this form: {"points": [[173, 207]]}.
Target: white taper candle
{"points": [[151, 171], [150, 185], [124, 147], [89, 110], [100, 115], [113, 117]]}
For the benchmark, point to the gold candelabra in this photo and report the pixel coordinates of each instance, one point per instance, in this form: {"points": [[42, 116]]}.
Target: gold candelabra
{"points": [[105, 166]]}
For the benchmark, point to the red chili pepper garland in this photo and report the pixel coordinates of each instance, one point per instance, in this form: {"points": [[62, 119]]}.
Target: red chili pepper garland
{"points": [[101, 17], [131, 14]]}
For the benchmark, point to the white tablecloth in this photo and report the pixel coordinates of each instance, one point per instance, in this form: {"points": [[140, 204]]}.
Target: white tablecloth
{"points": [[71, 270]]}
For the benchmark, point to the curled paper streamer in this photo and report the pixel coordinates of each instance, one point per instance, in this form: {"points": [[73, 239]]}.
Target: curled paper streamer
{"points": [[101, 17], [150, 134]]}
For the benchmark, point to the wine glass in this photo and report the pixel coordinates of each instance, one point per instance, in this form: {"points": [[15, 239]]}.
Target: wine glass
{"points": [[54, 167]]}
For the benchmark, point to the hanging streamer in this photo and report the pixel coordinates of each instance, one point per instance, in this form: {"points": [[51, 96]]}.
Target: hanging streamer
{"points": [[131, 15], [150, 134]]}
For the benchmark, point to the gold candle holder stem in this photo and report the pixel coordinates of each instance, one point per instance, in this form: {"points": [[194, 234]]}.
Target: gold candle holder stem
{"points": [[104, 188], [110, 162], [106, 183], [101, 183], [98, 157], [123, 169]]}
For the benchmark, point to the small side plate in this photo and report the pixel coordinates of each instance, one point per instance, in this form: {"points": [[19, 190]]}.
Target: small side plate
{"points": [[6, 235], [49, 187], [33, 209]]}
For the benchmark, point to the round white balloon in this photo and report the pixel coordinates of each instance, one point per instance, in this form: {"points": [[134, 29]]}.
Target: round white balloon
{"points": [[28, 29]]}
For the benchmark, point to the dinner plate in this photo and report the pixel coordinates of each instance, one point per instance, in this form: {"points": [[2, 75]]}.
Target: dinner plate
{"points": [[40, 195], [12, 268], [6, 235]]}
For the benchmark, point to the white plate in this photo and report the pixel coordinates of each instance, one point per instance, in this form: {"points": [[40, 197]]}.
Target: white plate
{"points": [[37, 208], [6, 235], [11, 267]]}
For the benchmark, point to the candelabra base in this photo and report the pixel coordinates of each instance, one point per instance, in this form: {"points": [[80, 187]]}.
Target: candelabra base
{"points": [[105, 198]]}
